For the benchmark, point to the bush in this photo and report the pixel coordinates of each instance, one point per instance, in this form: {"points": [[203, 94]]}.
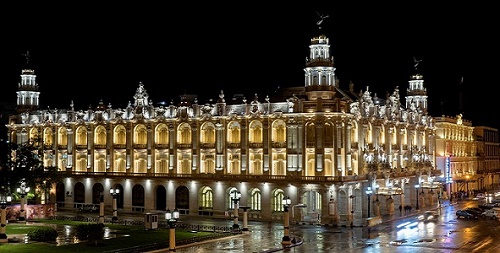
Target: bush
{"points": [[43, 234], [90, 232]]}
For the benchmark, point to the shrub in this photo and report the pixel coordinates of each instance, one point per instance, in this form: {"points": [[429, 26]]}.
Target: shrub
{"points": [[90, 232], [43, 234]]}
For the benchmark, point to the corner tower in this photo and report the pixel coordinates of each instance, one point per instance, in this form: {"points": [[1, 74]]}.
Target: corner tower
{"points": [[416, 93], [320, 71], [27, 91]]}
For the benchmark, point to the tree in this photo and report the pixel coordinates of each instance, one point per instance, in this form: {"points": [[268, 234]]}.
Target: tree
{"points": [[25, 161]]}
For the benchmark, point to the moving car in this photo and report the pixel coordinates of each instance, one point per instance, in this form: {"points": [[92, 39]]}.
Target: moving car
{"points": [[428, 216], [466, 214]]}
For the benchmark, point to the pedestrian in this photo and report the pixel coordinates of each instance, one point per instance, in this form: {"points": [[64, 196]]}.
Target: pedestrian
{"points": [[400, 209]]}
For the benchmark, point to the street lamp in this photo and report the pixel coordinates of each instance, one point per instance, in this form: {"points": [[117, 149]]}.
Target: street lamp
{"points": [[416, 189], [235, 197], [286, 237], [5, 200], [114, 193], [23, 191], [352, 209], [171, 218], [369, 194]]}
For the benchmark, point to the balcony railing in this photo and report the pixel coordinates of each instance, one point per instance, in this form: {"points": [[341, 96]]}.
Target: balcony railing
{"points": [[161, 146], [216, 177], [256, 145], [279, 144], [184, 146], [233, 145], [207, 145], [119, 146], [140, 146]]}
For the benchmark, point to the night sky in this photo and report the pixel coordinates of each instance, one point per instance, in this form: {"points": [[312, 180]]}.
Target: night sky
{"points": [[88, 53]]}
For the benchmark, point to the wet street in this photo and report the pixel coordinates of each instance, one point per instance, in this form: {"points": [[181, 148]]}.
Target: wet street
{"points": [[445, 235]]}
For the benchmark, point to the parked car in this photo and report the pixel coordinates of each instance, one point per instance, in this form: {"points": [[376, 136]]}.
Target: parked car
{"points": [[428, 216], [475, 210], [493, 213], [466, 214], [488, 205], [87, 208]]}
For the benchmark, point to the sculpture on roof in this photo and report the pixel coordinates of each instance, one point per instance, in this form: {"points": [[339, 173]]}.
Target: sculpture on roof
{"points": [[321, 19]]}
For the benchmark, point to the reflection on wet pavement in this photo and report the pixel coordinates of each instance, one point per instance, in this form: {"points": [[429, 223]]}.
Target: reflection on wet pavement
{"points": [[67, 233]]}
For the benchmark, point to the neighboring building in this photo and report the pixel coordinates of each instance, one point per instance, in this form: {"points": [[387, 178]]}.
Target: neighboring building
{"points": [[488, 153], [456, 154], [468, 156], [318, 144]]}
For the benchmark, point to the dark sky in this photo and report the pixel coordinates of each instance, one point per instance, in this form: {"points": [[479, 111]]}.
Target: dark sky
{"points": [[88, 53]]}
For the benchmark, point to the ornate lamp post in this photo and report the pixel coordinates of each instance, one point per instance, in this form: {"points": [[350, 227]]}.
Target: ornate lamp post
{"points": [[235, 197], [286, 217], [23, 191], [416, 189], [171, 218], [5, 200], [369, 194], [114, 193]]}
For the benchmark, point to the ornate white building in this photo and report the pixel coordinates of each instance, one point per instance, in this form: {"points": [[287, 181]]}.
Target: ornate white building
{"points": [[318, 144]]}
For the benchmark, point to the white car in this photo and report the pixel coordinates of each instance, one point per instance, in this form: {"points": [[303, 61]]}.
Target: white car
{"points": [[493, 213]]}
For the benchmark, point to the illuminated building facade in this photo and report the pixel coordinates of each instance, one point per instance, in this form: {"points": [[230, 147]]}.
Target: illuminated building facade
{"points": [[456, 153], [318, 144]]}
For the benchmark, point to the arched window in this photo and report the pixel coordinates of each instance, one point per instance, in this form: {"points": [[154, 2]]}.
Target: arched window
{"points": [[206, 198], [277, 200], [255, 199]]}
